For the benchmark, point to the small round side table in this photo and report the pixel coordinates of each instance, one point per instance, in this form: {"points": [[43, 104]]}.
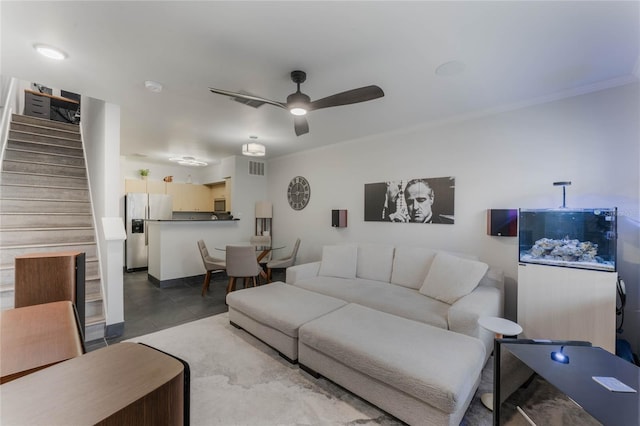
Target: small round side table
{"points": [[501, 327]]}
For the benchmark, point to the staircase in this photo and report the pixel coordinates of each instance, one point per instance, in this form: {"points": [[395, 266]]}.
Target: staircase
{"points": [[45, 206]]}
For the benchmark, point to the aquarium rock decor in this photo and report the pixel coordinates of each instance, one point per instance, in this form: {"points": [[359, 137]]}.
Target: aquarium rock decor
{"points": [[565, 249]]}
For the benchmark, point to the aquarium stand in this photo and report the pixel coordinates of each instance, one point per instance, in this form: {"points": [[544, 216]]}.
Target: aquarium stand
{"points": [[567, 304]]}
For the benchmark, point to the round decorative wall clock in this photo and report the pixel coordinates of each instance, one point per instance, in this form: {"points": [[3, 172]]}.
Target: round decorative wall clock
{"points": [[298, 193]]}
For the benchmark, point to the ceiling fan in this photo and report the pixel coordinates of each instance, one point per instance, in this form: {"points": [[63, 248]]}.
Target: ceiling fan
{"points": [[299, 104]]}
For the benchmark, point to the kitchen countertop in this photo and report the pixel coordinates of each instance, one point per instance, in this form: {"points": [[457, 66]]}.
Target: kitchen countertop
{"points": [[191, 220]]}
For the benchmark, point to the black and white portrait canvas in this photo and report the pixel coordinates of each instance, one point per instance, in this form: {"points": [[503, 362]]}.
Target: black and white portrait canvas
{"points": [[419, 200]]}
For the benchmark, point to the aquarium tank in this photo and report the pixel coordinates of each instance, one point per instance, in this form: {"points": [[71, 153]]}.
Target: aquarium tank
{"points": [[575, 238]]}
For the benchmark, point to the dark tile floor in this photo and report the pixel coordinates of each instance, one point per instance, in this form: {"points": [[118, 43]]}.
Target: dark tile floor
{"points": [[148, 308]]}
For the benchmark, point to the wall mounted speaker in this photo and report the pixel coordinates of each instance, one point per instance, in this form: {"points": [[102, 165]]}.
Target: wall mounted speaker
{"points": [[502, 222], [339, 218]]}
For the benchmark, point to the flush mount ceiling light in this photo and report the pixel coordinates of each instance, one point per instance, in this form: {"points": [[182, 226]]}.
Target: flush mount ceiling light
{"points": [[153, 86], [50, 52], [253, 149], [188, 161]]}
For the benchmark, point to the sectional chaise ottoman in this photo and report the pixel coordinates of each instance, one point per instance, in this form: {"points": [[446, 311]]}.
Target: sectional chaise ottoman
{"points": [[374, 337]]}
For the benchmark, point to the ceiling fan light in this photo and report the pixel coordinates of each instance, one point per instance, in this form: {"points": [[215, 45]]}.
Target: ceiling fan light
{"points": [[298, 111], [298, 103], [254, 149]]}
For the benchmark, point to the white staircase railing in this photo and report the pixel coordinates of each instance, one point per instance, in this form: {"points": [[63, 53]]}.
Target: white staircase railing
{"points": [[9, 104]]}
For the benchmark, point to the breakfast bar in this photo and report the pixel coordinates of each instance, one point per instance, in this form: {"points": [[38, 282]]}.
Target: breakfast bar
{"points": [[173, 252]]}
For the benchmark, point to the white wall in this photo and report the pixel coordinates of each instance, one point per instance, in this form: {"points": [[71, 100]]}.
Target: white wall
{"points": [[101, 134], [507, 160]]}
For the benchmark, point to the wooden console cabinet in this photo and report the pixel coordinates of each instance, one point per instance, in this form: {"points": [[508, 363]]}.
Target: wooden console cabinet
{"points": [[123, 384], [561, 303], [51, 277]]}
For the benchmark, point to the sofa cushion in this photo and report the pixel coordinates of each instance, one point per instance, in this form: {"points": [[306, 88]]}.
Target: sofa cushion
{"points": [[282, 306], [436, 366], [451, 277], [340, 288], [339, 261], [385, 297], [375, 262], [403, 302], [410, 266]]}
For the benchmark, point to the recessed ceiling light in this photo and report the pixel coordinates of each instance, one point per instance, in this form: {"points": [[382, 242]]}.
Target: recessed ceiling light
{"points": [[50, 51], [153, 86], [451, 68]]}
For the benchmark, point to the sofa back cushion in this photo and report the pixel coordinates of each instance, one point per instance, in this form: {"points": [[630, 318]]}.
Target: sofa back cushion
{"points": [[410, 266], [339, 261], [452, 277], [375, 262]]}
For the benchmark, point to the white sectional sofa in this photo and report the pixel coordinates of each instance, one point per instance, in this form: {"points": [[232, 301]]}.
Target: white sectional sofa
{"points": [[397, 326], [446, 290]]}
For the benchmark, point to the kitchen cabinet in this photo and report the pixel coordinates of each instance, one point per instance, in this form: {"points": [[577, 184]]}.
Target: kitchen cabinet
{"points": [[190, 198], [156, 187], [218, 190], [187, 197], [135, 185], [145, 185]]}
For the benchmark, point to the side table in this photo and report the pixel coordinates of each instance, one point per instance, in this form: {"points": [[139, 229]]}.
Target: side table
{"points": [[501, 327]]}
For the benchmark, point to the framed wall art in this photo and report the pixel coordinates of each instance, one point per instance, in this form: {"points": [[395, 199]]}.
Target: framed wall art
{"points": [[417, 200]]}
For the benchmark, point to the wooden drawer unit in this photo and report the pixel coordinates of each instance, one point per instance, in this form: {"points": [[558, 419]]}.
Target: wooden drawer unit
{"points": [[37, 106]]}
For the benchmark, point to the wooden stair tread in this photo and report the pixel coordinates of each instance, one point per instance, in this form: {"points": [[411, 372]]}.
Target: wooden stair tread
{"points": [[44, 199], [41, 174], [41, 163], [13, 139], [45, 214], [53, 154], [93, 320]]}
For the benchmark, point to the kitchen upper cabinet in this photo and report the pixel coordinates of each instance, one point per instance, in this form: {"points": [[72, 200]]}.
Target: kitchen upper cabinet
{"points": [[135, 185], [218, 190], [190, 198], [145, 185], [156, 187]]}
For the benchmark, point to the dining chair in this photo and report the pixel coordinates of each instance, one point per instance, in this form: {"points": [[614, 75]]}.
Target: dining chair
{"points": [[210, 264], [241, 263], [285, 262], [262, 240]]}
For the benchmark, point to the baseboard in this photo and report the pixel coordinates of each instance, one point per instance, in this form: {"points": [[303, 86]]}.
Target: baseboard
{"points": [[114, 330]]}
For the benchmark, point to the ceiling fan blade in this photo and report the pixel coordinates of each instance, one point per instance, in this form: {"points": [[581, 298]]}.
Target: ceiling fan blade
{"points": [[248, 97], [300, 125], [349, 97]]}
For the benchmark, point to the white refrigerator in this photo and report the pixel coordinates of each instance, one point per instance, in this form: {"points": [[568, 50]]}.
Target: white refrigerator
{"points": [[140, 207]]}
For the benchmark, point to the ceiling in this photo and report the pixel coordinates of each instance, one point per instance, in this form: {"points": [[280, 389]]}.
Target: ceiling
{"points": [[514, 53]]}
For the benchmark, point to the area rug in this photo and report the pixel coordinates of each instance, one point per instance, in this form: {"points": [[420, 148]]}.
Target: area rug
{"points": [[238, 380]]}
